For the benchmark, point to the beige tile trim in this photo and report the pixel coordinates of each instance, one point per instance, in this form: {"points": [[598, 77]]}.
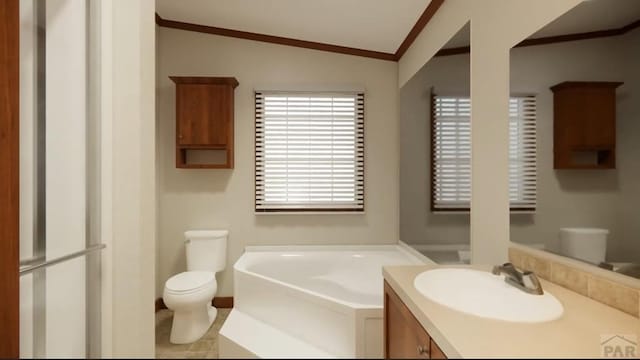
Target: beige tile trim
{"points": [[570, 278], [579, 265], [615, 290], [615, 295]]}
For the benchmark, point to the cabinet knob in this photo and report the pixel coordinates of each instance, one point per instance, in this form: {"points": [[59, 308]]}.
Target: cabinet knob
{"points": [[423, 350]]}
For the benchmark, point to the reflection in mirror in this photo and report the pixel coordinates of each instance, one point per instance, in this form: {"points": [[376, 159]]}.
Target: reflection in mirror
{"points": [[582, 175], [435, 156]]}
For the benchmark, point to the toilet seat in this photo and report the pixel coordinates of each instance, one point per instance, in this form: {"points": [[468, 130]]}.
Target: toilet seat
{"points": [[189, 282]]}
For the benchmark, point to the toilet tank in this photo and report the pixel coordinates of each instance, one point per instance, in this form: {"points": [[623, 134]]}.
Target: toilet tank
{"points": [[206, 250], [588, 244]]}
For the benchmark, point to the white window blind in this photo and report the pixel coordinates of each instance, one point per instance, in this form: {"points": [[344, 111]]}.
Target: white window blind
{"points": [[451, 153], [522, 153], [309, 151]]}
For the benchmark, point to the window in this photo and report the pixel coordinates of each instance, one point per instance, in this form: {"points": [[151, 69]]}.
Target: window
{"points": [[451, 153], [309, 151]]}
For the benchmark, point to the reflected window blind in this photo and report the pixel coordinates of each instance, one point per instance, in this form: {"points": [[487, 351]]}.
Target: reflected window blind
{"points": [[451, 153], [522, 153], [309, 151]]}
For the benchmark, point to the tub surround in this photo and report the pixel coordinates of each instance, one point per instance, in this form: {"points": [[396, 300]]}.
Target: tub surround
{"points": [[310, 301], [576, 334]]}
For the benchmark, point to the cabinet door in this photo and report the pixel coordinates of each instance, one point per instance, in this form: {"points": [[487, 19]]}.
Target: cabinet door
{"points": [[203, 114], [600, 116], [436, 353], [404, 336], [585, 118]]}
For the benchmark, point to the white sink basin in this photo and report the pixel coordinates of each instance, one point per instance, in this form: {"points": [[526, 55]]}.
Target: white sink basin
{"points": [[486, 295]]}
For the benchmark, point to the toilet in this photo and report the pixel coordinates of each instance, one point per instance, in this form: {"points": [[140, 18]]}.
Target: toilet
{"points": [[189, 293], [587, 244]]}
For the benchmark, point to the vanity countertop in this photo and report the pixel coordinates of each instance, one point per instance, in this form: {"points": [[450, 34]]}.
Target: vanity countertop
{"points": [[584, 324]]}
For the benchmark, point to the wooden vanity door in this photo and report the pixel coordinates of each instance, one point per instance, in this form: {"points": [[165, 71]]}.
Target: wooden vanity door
{"points": [[404, 337]]}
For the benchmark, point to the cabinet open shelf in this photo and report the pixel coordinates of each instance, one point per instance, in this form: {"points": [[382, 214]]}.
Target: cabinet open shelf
{"points": [[199, 157]]}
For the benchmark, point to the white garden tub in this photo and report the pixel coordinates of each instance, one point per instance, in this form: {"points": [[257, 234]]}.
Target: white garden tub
{"points": [[329, 297]]}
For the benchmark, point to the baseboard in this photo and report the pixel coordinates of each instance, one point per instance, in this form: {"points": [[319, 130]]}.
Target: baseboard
{"points": [[160, 304], [223, 302]]}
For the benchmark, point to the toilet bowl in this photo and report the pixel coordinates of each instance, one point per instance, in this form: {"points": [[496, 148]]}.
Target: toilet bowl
{"points": [[189, 294]]}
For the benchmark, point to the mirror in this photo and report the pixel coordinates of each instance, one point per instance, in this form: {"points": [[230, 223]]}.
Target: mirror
{"points": [[574, 189], [435, 154]]}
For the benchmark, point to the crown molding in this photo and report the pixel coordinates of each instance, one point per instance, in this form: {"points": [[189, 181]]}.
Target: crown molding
{"points": [[273, 39], [424, 19], [554, 39]]}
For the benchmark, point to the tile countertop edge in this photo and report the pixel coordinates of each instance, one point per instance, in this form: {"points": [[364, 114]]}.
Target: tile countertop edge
{"points": [[462, 335], [422, 318]]}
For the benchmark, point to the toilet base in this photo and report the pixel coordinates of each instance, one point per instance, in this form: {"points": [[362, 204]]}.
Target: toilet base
{"points": [[190, 325]]}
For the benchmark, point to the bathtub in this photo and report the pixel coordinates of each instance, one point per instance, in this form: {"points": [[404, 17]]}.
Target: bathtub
{"points": [[327, 297]]}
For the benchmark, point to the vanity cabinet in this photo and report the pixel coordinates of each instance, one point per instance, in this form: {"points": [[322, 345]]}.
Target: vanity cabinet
{"points": [[204, 121], [584, 125], [404, 337]]}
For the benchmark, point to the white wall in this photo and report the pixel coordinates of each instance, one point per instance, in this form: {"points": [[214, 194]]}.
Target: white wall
{"points": [[565, 198], [201, 199], [128, 206], [66, 126]]}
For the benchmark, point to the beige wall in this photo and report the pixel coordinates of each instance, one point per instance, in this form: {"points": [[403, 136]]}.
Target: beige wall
{"points": [[418, 225], [565, 198], [496, 25], [520, 17], [628, 133], [220, 198], [200, 199]]}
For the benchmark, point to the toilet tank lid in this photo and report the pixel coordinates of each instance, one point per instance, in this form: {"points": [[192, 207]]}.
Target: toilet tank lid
{"points": [[587, 231], [205, 234]]}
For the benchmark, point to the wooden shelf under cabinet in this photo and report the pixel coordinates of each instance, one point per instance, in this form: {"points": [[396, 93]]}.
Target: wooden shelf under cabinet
{"points": [[584, 125], [404, 337], [204, 122]]}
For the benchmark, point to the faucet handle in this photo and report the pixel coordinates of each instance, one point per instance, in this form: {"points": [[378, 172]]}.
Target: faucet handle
{"points": [[531, 281], [506, 267], [496, 270]]}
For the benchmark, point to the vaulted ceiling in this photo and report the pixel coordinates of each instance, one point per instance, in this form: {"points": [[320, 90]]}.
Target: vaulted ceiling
{"points": [[375, 25], [378, 25]]}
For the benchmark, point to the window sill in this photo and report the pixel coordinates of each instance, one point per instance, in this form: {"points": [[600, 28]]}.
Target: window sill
{"points": [[467, 212], [288, 213]]}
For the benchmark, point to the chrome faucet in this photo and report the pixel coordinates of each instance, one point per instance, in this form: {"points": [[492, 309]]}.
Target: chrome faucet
{"points": [[526, 281]]}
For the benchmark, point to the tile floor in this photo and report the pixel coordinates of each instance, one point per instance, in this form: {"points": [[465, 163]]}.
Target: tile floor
{"points": [[205, 348]]}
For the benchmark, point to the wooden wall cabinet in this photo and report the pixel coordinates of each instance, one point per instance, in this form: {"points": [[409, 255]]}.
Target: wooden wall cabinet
{"points": [[204, 122], [584, 125], [404, 337]]}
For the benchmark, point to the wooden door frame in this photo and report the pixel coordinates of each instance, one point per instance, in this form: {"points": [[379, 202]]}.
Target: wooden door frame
{"points": [[9, 178]]}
